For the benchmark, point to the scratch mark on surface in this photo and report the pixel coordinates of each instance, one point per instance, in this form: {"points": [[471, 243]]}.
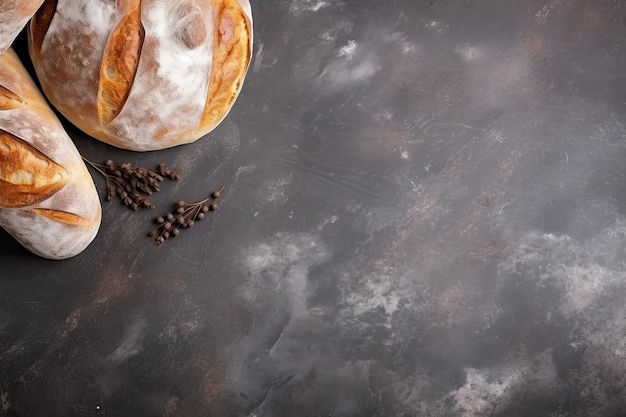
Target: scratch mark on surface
{"points": [[258, 59], [565, 163], [185, 259], [542, 15], [134, 265], [130, 344], [455, 124], [240, 170]]}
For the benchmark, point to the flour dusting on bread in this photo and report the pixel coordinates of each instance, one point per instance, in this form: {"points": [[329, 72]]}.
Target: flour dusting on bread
{"points": [[144, 74]]}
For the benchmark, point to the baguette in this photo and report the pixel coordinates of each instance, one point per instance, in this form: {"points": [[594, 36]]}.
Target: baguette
{"points": [[48, 200], [142, 74], [14, 15]]}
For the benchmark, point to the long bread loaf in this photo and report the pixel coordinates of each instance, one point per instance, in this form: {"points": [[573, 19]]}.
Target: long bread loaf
{"points": [[48, 200]]}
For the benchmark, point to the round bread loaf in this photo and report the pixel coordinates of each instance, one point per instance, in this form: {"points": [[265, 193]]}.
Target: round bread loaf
{"points": [[48, 200], [142, 74], [14, 14]]}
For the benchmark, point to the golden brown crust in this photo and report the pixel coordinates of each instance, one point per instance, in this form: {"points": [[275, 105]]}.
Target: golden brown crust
{"points": [[26, 122], [40, 23], [231, 57], [9, 100], [27, 176], [119, 63], [63, 217], [146, 74], [48, 200]]}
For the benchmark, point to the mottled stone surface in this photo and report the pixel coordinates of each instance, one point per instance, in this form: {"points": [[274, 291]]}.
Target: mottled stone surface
{"points": [[424, 215]]}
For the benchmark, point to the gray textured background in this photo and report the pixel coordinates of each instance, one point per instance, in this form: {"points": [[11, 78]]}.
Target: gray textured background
{"points": [[424, 215]]}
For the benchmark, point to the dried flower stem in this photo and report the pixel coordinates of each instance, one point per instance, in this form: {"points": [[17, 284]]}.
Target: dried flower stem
{"points": [[131, 184], [184, 216]]}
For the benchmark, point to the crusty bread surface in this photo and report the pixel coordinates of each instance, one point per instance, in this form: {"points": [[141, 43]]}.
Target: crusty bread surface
{"points": [[14, 15], [142, 74], [48, 200]]}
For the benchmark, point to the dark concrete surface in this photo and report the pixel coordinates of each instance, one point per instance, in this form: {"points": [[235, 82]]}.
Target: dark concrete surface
{"points": [[424, 215]]}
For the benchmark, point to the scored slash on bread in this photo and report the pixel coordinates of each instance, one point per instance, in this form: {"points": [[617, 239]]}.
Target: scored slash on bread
{"points": [[9, 100], [63, 217], [27, 176], [119, 63], [137, 74], [142, 74], [231, 57], [39, 25]]}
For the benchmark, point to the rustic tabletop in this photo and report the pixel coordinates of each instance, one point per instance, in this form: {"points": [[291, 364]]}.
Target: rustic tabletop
{"points": [[423, 215]]}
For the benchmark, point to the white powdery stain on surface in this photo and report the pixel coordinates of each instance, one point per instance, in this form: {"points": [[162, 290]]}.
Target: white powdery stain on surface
{"points": [[579, 269], [298, 6], [260, 257], [258, 58], [275, 192], [374, 294], [131, 342], [435, 26], [483, 389], [383, 116], [610, 331], [346, 65], [381, 289], [272, 195], [348, 50], [543, 14], [589, 274], [345, 73], [282, 266], [468, 53]]}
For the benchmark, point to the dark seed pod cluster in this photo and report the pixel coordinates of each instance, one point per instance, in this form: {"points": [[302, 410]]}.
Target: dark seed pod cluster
{"points": [[132, 184], [184, 216]]}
